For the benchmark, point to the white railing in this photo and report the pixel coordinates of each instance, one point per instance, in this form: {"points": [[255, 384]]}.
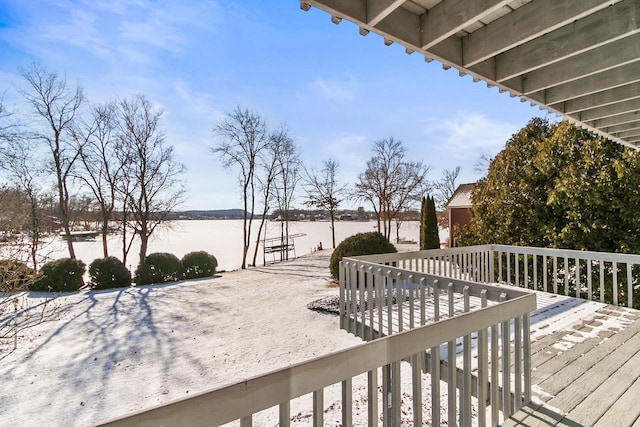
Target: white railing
{"points": [[611, 278], [500, 313], [378, 300]]}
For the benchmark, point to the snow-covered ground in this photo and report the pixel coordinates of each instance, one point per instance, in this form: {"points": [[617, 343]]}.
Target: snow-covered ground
{"points": [[112, 352]]}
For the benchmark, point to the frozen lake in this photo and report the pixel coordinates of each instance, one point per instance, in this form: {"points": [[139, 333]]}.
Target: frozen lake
{"points": [[223, 239]]}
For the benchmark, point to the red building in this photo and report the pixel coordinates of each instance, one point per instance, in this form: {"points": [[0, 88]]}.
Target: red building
{"points": [[459, 209]]}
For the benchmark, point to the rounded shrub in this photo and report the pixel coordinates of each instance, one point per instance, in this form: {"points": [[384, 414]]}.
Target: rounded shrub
{"points": [[199, 264], [15, 276], [158, 267], [61, 275], [359, 244], [107, 273]]}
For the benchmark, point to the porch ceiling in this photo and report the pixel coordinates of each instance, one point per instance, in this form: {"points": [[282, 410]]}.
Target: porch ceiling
{"points": [[579, 58]]}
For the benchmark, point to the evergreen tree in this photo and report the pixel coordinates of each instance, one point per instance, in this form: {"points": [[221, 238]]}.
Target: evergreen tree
{"points": [[559, 186], [432, 237], [423, 216]]}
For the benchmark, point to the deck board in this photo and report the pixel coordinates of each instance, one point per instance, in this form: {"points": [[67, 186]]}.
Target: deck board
{"points": [[596, 381]]}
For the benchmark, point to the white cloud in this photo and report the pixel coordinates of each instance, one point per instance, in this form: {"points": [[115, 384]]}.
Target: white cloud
{"points": [[473, 132], [335, 90]]}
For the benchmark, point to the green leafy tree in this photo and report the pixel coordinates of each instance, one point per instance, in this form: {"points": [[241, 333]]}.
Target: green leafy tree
{"points": [[559, 186]]}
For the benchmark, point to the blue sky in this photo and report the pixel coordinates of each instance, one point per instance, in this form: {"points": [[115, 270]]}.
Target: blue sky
{"points": [[334, 89]]}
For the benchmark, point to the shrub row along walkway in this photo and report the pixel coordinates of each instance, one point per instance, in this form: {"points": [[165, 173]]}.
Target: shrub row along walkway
{"points": [[116, 351]]}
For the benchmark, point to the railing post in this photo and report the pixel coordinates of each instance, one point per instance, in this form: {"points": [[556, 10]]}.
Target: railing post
{"points": [[483, 367], [372, 394], [285, 414], [451, 364], [318, 408], [435, 363], [466, 379], [347, 402], [342, 285], [526, 333]]}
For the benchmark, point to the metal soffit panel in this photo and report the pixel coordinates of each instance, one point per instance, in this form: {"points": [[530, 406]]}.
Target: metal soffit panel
{"points": [[579, 58]]}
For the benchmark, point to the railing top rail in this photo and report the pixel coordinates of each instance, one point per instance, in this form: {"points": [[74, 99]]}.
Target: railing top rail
{"points": [[570, 253], [235, 401], [399, 256], [494, 290]]}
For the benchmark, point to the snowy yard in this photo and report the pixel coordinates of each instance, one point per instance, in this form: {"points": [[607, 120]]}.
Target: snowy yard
{"points": [[112, 352]]}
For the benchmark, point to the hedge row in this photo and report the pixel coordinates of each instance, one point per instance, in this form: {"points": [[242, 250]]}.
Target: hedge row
{"points": [[65, 275]]}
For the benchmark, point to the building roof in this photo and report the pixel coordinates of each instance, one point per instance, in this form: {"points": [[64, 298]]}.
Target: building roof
{"points": [[461, 198], [580, 59]]}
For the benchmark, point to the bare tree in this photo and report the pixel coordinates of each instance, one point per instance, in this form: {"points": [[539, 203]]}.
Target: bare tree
{"points": [[446, 186], [287, 178], [266, 177], [25, 209], [57, 104], [390, 182], [156, 188], [102, 166], [243, 137], [324, 191]]}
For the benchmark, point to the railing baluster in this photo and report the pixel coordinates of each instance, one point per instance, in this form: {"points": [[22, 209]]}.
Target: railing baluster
{"points": [[342, 287], [555, 274], [500, 266], [506, 366], [423, 307], [495, 378], [400, 288], [435, 363], [396, 394], [517, 358], [347, 402], [629, 286], [416, 381], [535, 272], [246, 421], [451, 365], [566, 276], [380, 300], [372, 394], [614, 271], [526, 333], [516, 261], [577, 276], [509, 269], [544, 273], [389, 302], [482, 367], [318, 408], [589, 281], [370, 302], [601, 281], [354, 299], [363, 304], [526, 271], [285, 414], [466, 382], [411, 301], [386, 395]]}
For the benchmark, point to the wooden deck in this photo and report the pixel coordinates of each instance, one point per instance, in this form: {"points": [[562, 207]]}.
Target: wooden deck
{"points": [[586, 373], [585, 362]]}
